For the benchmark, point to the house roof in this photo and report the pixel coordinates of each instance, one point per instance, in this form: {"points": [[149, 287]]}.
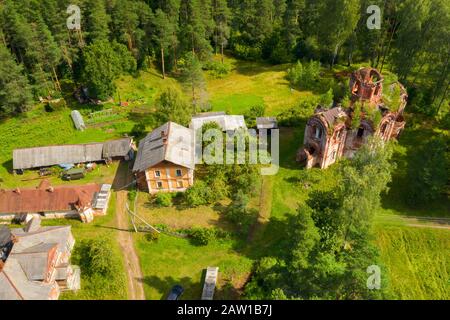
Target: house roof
{"points": [[50, 199], [14, 284], [72, 153], [171, 142], [226, 122], [29, 262]]}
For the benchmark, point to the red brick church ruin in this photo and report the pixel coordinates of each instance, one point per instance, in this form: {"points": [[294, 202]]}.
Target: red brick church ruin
{"points": [[340, 131]]}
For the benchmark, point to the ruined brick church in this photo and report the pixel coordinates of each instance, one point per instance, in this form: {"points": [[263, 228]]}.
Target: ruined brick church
{"points": [[340, 131]]}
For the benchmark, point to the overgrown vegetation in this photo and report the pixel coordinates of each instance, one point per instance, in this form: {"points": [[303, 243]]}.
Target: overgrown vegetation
{"points": [[329, 241]]}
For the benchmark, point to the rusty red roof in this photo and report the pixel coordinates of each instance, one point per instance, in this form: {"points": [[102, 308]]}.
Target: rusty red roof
{"points": [[46, 199]]}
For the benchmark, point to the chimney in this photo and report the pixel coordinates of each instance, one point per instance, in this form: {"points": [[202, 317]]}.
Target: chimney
{"points": [[17, 190], [50, 189]]}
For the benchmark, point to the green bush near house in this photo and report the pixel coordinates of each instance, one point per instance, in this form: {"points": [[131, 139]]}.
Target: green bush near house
{"points": [[164, 199]]}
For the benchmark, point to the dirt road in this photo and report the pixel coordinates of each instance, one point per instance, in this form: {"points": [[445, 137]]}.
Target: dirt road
{"points": [[419, 222], [132, 266]]}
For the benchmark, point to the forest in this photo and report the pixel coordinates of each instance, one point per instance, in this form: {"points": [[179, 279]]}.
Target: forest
{"points": [[38, 50]]}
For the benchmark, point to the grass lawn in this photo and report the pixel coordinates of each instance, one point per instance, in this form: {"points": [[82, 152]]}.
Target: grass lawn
{"points": [[253, 83], [102, 227], [172, 261], [418, 260]]}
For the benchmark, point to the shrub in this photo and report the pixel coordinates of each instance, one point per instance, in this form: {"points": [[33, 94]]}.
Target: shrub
{"points": [[164, 199], [217, 69], [199, 194], [305, 75], [138, 130], [253, 113], [132, 194], [202, 236], [152, 236], [97, 258], [296, 116], [239, 214], [247, 52]]}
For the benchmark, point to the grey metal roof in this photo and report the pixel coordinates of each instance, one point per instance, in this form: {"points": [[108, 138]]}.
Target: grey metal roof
{"points": [[76, 153], [54, 155], [226, 122], [209, 114], [171, 142], [14, 284], [117, 148], [5, 236]]}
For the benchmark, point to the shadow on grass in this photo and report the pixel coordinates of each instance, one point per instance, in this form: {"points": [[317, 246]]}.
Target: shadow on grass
{"points": [[192, 289], [397, 196], [8, 165]]}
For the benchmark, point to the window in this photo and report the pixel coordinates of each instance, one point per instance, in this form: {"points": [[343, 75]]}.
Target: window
{"points": [[157, 173], [333, 156], [318, 133], [159, 185], [179, 173], [179, 184]]}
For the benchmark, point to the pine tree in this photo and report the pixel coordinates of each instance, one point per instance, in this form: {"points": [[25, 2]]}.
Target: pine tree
{"points": [[221, 15], [193, 31], [163, 33], [193, 75], [98, 21], [15, 91]]}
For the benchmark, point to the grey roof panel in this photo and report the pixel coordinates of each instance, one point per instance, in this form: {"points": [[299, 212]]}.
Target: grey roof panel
{"points": [[226, 122], [117, 148], [54, 155], [171, 142]]}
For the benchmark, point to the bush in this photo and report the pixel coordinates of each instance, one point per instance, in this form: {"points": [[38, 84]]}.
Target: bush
{"points": [[97, 258], [138, 130], [164, 199], [296, 116], [132, 194], [152, 236], [202, 236], [198, 195], [217, 69], [239, 214], [247, 52], [306, 75], [253, 113]]}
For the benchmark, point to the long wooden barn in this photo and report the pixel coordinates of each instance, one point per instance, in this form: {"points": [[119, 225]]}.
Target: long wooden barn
{"points": [[39, 157]]}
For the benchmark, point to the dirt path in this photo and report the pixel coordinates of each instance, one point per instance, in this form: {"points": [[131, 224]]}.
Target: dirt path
{"points": [[420, 222], [265, 208], [132, 266]]}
